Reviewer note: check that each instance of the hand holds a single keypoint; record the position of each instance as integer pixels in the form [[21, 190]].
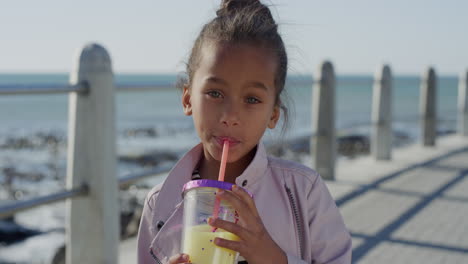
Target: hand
[[255, 244], [179, 258]]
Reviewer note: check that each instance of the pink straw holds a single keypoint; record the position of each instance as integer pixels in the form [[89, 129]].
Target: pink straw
[[222, 171], [224, 156]]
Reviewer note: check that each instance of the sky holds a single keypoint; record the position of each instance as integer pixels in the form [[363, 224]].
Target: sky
[[154, 36]]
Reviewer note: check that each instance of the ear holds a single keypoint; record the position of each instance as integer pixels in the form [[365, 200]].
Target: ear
[[275, 115], [186, 101]]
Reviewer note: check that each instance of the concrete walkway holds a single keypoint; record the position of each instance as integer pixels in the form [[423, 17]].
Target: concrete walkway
[[412, 209]]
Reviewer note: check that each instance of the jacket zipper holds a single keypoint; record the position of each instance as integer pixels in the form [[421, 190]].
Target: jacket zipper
[[296, 216], [154, 256]]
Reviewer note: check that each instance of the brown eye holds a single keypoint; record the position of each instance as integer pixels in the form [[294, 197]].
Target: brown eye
[[252, 100], [214, 94]]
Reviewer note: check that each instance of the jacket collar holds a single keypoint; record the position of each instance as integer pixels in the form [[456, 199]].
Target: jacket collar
[[256, 169]]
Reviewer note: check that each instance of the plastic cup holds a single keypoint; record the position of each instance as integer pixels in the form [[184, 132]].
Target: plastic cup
[[197, 235]]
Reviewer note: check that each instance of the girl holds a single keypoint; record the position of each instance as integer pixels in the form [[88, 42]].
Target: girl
[[236, 73]]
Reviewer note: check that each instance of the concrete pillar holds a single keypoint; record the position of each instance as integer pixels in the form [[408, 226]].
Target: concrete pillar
[[323, 143], [428, 108], [463, 104], [93, 221], [381, 139]]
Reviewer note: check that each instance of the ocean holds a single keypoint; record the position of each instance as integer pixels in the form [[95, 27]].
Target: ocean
[[33, 132], [162, 108]]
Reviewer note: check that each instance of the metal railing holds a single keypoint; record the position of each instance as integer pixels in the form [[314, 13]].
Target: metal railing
[[10, 209], [134, 177], [31, 89], [7, 210], [18, 89], [142, 87], [83, 87], [16, 207]]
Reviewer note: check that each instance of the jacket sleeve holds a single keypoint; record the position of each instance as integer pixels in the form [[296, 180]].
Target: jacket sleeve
[[330, 240], [147, 231]]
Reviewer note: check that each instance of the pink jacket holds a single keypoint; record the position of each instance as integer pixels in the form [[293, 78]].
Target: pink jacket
[[293, 201]]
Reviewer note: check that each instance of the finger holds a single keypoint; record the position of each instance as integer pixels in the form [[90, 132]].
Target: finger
[[245, 196], [179, 258], [232, 245], [236, 229], [245, 213]]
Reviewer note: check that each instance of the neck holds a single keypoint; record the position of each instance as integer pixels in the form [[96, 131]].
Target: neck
[[209, 167]]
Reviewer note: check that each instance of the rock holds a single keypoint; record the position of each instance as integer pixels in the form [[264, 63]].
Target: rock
[[39, 140], [59, 257], [353, 145], [47, 139], [149, 159], [141, 132], [349, 145], [11, 173], [11, 232], [276, 150], [18, 143], [133, 224], [130, 213], [401, 138], [300, 145], [444, 132]]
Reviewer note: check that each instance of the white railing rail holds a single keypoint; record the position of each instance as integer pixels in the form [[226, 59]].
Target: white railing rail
[[11, 209], [18, 89], [30, 89]]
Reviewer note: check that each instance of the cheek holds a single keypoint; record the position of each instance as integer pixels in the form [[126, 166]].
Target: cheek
[[259, 121], [203, 114]]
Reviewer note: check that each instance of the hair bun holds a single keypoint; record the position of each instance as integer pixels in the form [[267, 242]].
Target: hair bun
[[233, 6], [229, 6]]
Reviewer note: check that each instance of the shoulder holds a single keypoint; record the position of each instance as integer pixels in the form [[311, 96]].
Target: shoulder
[[292, 169], [152, 196]]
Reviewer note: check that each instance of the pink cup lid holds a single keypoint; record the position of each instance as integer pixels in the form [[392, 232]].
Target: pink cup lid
[[209, 183]]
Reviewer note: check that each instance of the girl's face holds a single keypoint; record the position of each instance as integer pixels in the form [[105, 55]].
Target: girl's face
[[232, 97]]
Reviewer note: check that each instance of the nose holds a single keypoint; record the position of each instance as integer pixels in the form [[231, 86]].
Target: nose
[[231, 114]]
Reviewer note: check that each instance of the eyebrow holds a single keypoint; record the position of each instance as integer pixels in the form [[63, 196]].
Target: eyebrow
[[255, 84], [216, 80]]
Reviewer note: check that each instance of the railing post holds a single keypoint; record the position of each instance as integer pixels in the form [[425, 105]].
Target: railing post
[[428, 107], [323, 144], [93, 221], [463, 104], [381, 139]]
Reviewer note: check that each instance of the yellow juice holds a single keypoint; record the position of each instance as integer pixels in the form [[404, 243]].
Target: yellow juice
[[199, 245]]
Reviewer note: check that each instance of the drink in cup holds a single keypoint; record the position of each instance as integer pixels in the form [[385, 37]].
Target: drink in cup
[[198, 236]]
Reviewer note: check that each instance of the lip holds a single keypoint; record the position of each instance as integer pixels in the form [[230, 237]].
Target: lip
[[232, 141]]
